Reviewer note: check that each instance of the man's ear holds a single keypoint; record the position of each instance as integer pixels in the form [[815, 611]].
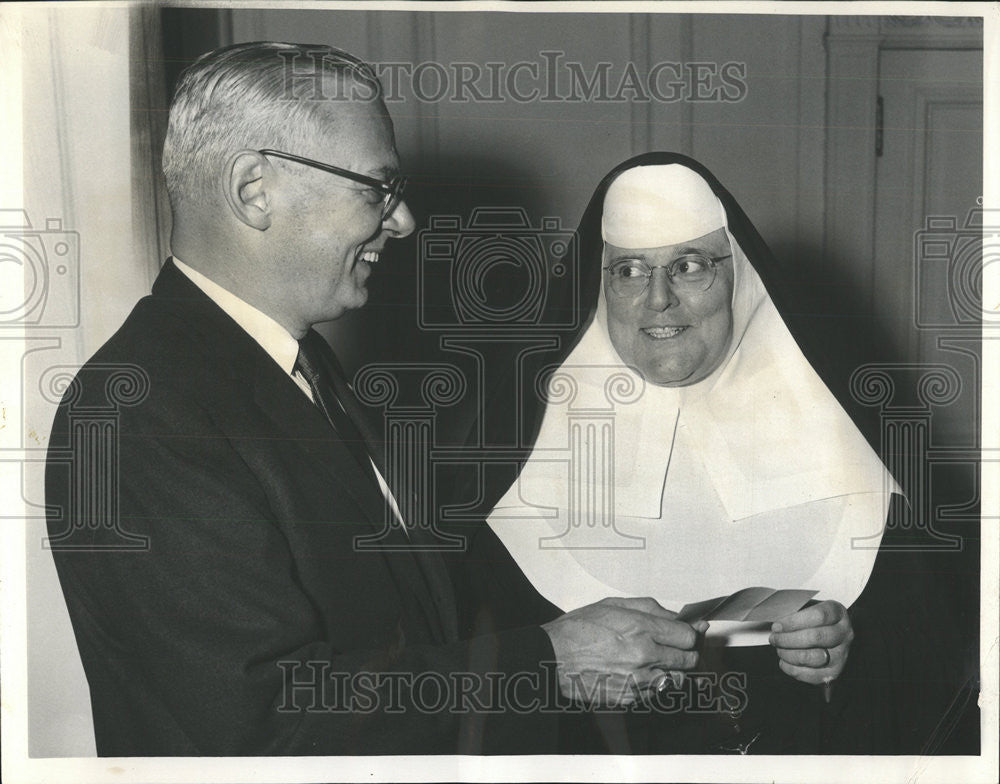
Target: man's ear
[[245, 191]]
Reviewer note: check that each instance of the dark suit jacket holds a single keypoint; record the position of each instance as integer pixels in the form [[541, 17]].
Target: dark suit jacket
[[249, 584]]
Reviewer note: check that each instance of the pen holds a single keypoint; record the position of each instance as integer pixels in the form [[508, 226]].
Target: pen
[[827, 690]]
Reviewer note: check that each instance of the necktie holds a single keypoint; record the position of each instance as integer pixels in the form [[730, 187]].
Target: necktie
[[343, 411], [309, 364]]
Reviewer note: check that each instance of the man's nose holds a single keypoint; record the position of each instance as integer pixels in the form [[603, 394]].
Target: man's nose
[[400, 221], [660, 293]]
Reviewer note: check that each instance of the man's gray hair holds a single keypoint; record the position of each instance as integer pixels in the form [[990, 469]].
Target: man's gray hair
[[252, 96]]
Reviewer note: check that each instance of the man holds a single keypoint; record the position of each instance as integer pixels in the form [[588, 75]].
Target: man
[[250, 623]]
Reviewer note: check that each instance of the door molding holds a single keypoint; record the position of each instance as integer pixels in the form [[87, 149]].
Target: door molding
[[853, 44]]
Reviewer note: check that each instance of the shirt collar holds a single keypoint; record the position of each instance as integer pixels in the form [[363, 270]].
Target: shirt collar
[[272, 337]]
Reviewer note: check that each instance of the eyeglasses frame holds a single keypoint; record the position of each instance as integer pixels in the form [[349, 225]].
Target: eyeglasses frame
[[714, 259], [392, 190]]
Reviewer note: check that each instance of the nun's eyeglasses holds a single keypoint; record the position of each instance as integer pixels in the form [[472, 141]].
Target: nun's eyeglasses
[[390, 192], [692, 272]]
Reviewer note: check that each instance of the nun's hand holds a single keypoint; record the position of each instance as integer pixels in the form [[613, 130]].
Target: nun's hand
[[813, 643], [613, 651]]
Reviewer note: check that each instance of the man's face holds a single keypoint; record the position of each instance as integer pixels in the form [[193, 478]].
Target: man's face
[[332, 231], [673, 337]]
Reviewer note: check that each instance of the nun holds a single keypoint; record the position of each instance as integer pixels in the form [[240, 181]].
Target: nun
[[685, 449]]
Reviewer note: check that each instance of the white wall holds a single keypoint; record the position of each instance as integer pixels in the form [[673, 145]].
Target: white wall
[[77, 170]]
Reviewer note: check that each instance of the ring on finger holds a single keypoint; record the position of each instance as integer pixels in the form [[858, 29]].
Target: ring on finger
[[826, 662]]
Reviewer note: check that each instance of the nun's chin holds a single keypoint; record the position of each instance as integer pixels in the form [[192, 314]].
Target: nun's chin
[[664, 378], [681, 382]]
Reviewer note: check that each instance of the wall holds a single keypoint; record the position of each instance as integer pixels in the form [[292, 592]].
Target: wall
[[564, 147], [76, 170], [547, 156]]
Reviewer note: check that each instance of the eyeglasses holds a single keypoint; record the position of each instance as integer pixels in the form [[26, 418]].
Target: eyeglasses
[[392, 191], [691, 272]]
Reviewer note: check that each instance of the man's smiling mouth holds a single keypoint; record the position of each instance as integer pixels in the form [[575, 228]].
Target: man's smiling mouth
[[663, 333]]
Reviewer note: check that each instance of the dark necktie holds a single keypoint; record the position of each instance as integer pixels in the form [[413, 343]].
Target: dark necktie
[[343, 411], [309, 364]]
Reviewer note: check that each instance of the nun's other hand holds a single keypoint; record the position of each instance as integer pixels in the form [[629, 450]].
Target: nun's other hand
[[803, 640]]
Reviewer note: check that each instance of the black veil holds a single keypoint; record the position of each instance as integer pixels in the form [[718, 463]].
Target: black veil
[[583, 253], [906, 689]]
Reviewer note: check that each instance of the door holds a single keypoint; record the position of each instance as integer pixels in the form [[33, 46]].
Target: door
[[928, 244]]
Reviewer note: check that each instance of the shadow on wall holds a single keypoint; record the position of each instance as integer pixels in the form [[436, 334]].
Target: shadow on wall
[[478, 263], [829, 310], [841, 326], [187, 34]]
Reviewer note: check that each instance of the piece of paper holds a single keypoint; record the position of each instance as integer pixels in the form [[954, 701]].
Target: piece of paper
[[759, 605]]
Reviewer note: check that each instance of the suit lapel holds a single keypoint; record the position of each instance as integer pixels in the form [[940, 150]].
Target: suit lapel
[[288, 411], [295, 415], [431, 563], [292, 413]]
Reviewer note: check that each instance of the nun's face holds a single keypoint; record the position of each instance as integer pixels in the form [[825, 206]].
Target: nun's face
[[673, 333]]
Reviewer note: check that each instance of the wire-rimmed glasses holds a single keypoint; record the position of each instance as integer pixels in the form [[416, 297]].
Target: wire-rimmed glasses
[[692, 272]]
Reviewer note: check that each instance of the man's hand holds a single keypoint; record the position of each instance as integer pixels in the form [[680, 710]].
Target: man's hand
[[803, 639], [610, 651]]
